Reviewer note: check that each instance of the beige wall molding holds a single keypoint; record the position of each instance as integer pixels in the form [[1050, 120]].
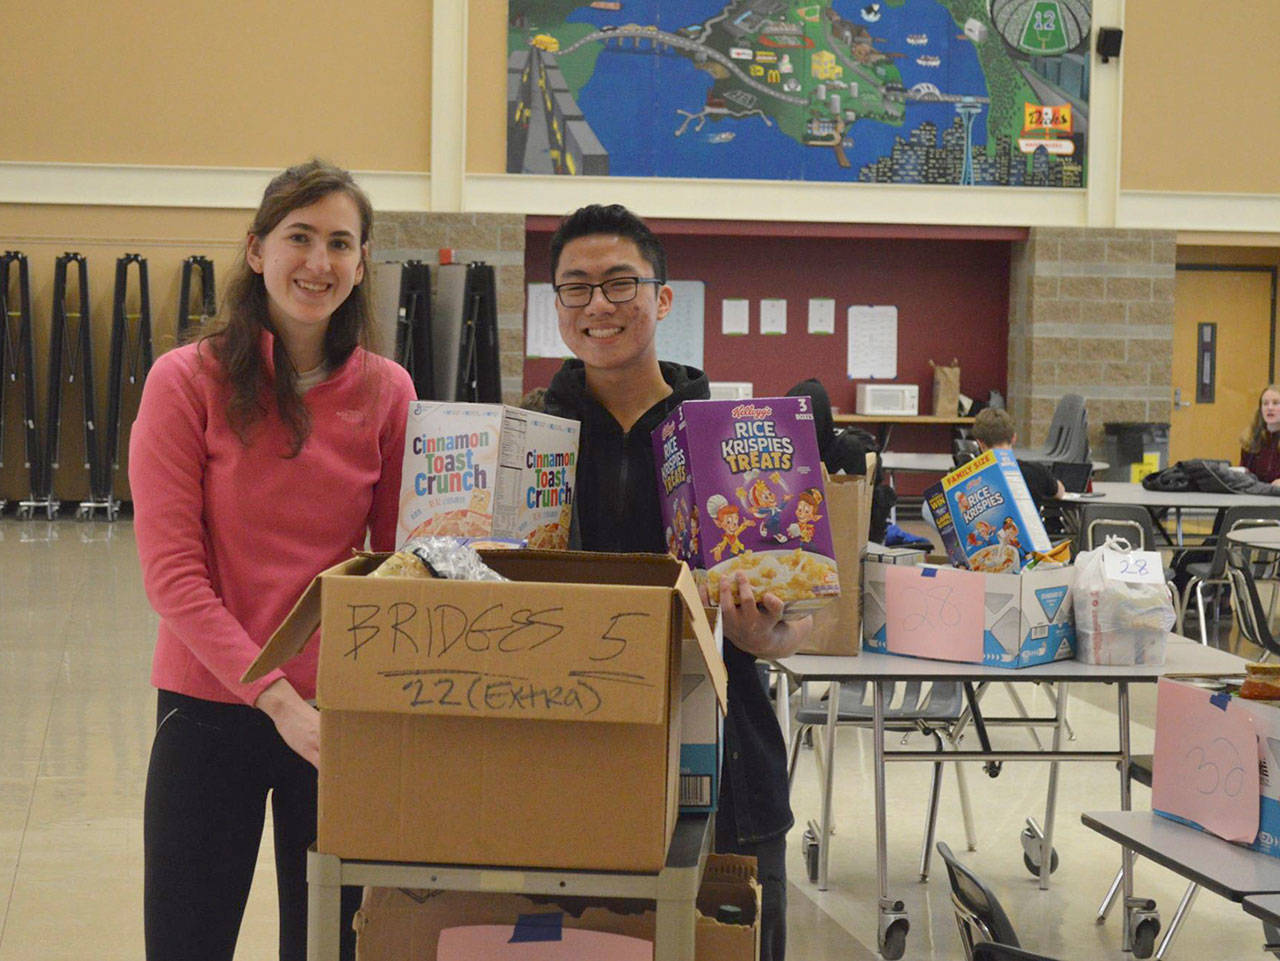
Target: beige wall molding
[[1158, 210], [200, 187], [788, 200]]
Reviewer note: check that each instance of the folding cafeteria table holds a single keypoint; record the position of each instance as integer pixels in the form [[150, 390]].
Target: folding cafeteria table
[[1182, 657], [1229, 870]]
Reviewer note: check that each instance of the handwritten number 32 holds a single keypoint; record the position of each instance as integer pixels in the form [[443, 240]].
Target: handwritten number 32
[[1209, 776]]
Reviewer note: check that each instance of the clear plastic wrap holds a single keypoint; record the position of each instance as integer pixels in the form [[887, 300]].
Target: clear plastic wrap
[[1118, 621], [453, 558]]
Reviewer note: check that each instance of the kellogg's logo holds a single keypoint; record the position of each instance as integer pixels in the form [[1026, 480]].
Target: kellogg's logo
[[668, 429], [751, 410]]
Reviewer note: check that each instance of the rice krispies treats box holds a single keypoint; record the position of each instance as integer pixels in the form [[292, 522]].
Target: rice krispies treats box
[[487, 470], [986, 516], [741, 488]]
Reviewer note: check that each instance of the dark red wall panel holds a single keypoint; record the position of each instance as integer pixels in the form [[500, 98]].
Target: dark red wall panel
[[952, 297]]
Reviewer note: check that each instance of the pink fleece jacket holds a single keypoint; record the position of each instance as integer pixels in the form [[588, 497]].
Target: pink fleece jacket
[[230, 535]]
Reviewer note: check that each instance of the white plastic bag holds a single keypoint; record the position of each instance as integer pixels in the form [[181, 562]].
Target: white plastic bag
[[1119, 621]]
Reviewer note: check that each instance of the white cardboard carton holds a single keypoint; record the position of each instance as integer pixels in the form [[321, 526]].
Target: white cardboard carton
[[1028, 616]]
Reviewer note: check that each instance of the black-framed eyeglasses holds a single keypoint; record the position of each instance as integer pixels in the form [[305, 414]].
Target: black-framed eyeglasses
[[618, 290]]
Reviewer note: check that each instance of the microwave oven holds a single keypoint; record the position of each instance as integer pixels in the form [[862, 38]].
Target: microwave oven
[[901, 400]]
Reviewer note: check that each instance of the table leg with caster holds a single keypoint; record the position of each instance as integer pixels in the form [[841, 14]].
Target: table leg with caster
[[891, 935]]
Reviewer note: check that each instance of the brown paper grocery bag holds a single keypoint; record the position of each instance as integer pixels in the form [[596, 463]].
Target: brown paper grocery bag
[[837, 628], [946, 389]]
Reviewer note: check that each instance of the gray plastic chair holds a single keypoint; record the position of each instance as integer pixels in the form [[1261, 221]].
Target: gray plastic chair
[[932, 708], [1068, 437]]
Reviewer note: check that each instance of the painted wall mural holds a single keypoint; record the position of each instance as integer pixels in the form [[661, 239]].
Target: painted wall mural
[[980, 92]]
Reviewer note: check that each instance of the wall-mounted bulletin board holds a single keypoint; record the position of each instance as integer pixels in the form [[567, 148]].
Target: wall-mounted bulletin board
[[950, 287]]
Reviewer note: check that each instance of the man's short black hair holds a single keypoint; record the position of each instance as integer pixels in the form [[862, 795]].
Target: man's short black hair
[[611, 219]]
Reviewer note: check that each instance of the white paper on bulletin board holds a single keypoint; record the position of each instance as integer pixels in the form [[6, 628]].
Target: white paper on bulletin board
[[679, 336], [542, 328], [873, 342]]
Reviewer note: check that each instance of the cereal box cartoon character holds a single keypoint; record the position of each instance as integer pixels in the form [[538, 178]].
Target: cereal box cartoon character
[[761, 503], [726, 517], [982, 533], [806, 513]]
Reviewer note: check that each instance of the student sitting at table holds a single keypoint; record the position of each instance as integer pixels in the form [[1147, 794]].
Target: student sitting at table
[[1260, 444], [993, 428]]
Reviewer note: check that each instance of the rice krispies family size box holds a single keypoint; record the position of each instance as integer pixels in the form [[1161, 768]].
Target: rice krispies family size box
[[741, 489], [487, 470], [986, 516]]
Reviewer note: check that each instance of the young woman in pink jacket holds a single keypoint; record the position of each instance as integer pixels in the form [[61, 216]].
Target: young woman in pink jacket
[[262, 454]]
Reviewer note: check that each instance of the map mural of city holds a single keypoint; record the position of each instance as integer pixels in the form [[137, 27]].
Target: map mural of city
[[982, 92]]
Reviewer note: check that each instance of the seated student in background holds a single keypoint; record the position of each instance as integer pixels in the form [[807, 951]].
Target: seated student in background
[[994, 428], [1260, 444]]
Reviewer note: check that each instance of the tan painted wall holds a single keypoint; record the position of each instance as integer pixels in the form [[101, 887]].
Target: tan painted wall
[[487, 87], [1200, 84], [223, 83]]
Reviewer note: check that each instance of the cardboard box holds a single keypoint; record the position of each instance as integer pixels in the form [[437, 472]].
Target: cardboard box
[[533, 722], [1012, 620], [701, 723], [394, 924], [741, 488], [837, 627], [879, 554], [1266, 721], [986, 516], [487, 470]]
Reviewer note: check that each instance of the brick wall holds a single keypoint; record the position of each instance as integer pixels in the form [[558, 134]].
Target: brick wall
[[497, 239], [1091, 313]]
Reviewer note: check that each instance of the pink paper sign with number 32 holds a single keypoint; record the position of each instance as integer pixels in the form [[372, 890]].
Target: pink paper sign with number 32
[[1205, 768]]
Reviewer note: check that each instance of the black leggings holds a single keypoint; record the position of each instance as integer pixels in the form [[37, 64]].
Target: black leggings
[[212, 766]]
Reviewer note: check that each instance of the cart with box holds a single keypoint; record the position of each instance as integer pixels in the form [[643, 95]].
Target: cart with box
[[562, 682]]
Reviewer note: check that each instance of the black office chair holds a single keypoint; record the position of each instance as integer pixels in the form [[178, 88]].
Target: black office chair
[[963, 450], [990, 951], [1252, 618], [979, 916], [1213, 572]]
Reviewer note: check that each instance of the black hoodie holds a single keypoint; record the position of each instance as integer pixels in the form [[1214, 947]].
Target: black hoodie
[[616, 480], [616, 508]]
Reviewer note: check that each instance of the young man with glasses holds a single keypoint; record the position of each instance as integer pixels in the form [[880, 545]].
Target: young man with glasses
[[610, 272]]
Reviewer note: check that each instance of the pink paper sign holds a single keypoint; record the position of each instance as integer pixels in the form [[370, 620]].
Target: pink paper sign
[[499, 942], [934, 612], [1205, 768]]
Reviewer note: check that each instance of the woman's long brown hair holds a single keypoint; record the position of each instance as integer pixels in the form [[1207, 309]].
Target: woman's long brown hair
[[1257, 436], [236, 334]]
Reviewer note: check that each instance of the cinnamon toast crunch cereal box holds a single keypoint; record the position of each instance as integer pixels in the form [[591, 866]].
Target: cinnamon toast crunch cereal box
[[741, 489], [986, 515], [487, 470]]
